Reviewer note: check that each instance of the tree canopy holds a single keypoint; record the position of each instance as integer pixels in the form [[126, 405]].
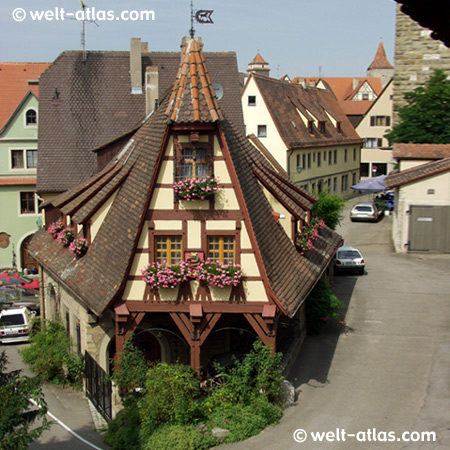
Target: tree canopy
[[18, 416], [425, 119]]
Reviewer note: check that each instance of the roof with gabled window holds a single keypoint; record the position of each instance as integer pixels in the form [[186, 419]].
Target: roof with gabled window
[[99, 277]]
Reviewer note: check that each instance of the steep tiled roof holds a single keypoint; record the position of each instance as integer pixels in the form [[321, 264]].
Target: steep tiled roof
[[99, 277], [16, 79], [417, 173], [263, 149], [258, 59], [193, 98], [285, 100], [90, 103], [380, 61], [355, 108], [343, 87], [421, 151]]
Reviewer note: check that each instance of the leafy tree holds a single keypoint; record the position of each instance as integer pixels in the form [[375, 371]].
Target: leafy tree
[[425, 119], [17, 414], [329, 208]]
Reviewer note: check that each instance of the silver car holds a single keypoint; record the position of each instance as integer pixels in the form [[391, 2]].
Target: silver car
[[349, 258], [365, 212]]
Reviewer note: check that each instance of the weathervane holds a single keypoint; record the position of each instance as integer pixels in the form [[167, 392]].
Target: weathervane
[[201, 16]]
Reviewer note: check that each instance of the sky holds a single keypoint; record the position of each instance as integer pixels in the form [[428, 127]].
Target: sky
[[333, 38]]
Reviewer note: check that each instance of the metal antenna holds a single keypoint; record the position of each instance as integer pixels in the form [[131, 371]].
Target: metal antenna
[[83, 33], [192, 30]]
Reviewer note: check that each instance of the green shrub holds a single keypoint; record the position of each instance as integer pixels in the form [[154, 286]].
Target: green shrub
[[171, 395], [320, 305], [123, 431], [130, 369], [50, 355], [179, 437], [329, 208], [257, 374]]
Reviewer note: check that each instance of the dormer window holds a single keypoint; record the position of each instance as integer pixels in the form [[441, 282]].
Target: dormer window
[[30, 118], [252, 100], [310, 127], [321, 127]]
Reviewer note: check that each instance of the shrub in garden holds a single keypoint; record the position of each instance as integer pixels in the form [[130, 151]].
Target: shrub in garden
[[50, 355], [171, 396], [320, 305]]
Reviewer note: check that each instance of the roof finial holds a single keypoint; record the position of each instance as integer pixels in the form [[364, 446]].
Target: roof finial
[[201, 16]]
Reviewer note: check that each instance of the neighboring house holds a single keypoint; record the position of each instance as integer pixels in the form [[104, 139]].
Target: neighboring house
[[131, 216], [356, 94], [376, 154], [422, 206], [305, 130], [94, 99], [18, 161]]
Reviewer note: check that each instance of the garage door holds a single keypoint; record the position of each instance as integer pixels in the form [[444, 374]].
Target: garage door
[[429, 229]]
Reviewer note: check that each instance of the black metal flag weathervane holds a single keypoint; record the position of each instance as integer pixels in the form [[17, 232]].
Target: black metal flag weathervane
[[201, 16]]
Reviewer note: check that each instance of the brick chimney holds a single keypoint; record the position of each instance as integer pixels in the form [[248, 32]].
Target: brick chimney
[[136, 65]]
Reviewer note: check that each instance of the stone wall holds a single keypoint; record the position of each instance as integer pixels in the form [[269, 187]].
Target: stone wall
[[416, 57]]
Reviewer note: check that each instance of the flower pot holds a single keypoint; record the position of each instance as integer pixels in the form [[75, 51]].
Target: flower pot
[[168, 294], [220, 294]]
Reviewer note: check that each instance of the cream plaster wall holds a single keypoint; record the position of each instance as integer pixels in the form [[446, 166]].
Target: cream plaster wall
[[416, 194], [194, 235], [255, 291], [259, 115], [245, 238], [99, 216]]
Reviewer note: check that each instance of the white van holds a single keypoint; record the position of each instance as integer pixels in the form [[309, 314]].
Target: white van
[[15, 324]]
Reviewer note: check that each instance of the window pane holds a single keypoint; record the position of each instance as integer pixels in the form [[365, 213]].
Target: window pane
[[17, 159], [31, 118], [221, 248], [27, 205], [31, 158], [168, 248]]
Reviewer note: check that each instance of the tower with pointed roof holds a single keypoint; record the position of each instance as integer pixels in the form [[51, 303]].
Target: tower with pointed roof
[[258, 65], [381, 67]]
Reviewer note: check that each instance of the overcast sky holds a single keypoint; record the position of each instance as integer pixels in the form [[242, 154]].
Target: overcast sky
[[296, 37]]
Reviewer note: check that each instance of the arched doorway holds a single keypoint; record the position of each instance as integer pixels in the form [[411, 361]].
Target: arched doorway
[[27, 261], [147, 342]]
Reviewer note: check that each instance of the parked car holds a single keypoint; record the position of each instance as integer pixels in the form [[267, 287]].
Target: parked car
[[15, 324], [349, 258], [365, 212], [7, 279]]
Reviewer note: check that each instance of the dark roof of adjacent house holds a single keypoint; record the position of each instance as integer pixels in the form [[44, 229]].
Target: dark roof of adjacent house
[[98, 278], [288, 102], [420, 151], [16, 79], [89, 102], [417, 173]]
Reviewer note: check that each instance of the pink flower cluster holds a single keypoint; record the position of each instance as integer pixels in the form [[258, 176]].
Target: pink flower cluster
[[163, 275], [304, 240], [54, 228], [78, 247], [191, 189], [65, 236], [219, 274]]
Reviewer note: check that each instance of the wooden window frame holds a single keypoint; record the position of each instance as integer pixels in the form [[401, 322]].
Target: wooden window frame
[[169, 236], [221, 238]]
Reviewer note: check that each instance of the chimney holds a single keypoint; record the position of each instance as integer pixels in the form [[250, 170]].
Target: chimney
[[355, 82], [136, 66], [151, 89]]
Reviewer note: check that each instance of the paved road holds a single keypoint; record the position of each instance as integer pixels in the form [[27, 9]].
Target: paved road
[[388, 367], [66, 405]]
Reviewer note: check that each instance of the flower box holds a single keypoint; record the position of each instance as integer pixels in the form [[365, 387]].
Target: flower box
[[65, 236], [78, 247], [201, 188], [218, 274], [222, 294], [304, 240], [162, 275], [54, 228]]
